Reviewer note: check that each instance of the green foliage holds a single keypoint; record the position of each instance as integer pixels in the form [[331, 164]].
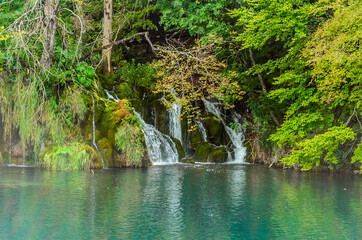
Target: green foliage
[[310, 152], [140, 75], [357, 157], [235, 126], [129, 139], [334, 53], [196, 17], [72, 156]]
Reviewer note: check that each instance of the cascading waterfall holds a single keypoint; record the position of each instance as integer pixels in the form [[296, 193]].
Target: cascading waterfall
[[110, 96], [160, 147], [174, 123], [94, 133], [201, 129], [236, 136]]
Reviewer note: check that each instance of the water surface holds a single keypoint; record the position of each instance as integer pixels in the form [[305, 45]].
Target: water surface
[[179, 202]]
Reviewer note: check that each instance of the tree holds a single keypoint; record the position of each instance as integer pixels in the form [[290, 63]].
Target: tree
[[107, 36]]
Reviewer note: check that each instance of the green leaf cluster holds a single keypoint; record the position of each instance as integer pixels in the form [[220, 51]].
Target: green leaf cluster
[[129, 139]]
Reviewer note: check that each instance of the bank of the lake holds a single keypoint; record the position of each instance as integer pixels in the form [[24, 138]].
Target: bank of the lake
[[181, 201]]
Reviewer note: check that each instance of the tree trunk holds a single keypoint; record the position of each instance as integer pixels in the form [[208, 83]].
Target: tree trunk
[[263, 87], [107, 36], [51, 11]]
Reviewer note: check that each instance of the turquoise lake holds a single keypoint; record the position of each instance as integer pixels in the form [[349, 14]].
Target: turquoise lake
[[179, 202]]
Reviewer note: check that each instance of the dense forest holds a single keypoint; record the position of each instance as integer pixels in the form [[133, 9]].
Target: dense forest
[[290, 69]]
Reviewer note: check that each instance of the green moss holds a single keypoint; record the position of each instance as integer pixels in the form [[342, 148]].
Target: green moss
[[161, 115], [219, 155], [123, 90], [195, 138], [137, 103], [131, 156], [188, 161], [180, 150], [214, 129], [96, 158], [202, 151], [107, 149], [73, 156]]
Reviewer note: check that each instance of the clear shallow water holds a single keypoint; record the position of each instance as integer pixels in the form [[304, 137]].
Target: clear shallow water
[[179, 202]]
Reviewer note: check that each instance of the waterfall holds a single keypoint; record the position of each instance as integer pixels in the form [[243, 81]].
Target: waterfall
[[110, 96], [236, 136], [94, 133], [201, 129], [174, 121], [160, 147]]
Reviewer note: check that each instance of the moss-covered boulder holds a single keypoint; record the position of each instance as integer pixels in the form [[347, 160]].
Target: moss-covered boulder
[[202, 151], [71, 156], [214, 129], [180, 150], [218, 155], [188, 161], [195, 138], [106, 148]]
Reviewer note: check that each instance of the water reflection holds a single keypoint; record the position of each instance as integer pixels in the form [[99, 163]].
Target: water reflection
[[179, 202]]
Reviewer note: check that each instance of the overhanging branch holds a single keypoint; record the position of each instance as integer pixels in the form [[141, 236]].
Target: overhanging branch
[[99, 49]]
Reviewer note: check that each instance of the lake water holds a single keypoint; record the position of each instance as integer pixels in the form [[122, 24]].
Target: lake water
[[179, 202]]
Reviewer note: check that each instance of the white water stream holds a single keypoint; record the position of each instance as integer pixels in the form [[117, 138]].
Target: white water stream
[[174, 122], [236, 136], [94, 134], [201, 129], [161, 148]]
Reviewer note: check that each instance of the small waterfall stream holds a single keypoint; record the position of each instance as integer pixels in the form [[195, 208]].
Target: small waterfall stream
[[174, 121], [94, 133], [111, 97], [236, 137], [201, 129], [161, 148]]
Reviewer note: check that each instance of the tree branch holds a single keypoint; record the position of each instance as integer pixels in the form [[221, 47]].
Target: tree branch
[[99, 49]]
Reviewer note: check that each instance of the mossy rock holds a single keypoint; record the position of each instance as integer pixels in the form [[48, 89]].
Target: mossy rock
[[202, 151], [103, 80], [180, 150], [123, 90], [88, 131], [214, 129], [219, 155], [107, 149], [161, 116], [137, 103], [195, 138], [96, 160], [110, 121], [188, 161]]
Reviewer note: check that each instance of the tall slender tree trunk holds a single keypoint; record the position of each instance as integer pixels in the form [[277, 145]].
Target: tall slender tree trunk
[[107, 36], [51, 12], [263, 87]]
